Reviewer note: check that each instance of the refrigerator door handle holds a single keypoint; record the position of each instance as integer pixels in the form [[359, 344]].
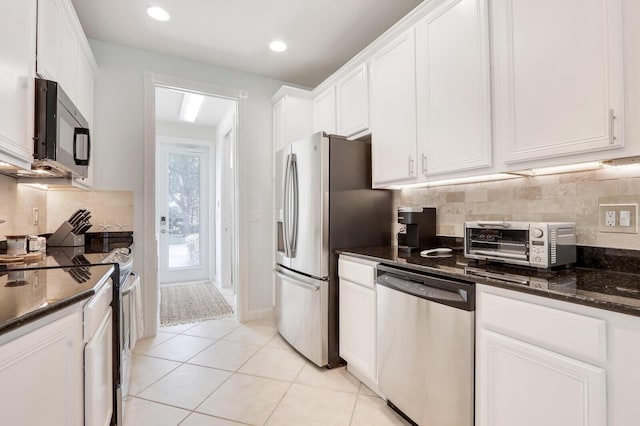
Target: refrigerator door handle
[[297, 281], [296, 205], [285, 201]]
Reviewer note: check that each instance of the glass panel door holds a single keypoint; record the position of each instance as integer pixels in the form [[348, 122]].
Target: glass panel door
[[183, 209]]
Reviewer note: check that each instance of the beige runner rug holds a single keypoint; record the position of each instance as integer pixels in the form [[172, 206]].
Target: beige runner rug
[[187, 303]]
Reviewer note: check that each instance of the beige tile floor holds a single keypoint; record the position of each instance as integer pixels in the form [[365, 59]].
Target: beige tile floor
[[224, 373]]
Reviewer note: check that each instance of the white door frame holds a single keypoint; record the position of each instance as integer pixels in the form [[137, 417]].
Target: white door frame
[[150, 239]]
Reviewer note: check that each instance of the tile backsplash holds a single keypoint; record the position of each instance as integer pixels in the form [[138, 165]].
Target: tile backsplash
[[569, 197], [108, 208]]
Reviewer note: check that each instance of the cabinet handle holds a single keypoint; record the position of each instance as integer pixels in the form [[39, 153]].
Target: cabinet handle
[[424, 164], [612, 136], [410, 166]]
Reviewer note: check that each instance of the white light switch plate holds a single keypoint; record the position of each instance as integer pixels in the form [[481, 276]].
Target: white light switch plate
[[625, 218]]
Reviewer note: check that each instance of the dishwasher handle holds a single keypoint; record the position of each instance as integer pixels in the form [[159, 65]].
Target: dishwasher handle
[[453, 293]]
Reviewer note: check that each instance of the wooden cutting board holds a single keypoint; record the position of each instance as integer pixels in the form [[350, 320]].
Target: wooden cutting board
[[23, 258]]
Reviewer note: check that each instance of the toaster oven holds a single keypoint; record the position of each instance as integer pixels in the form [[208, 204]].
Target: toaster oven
[[536, 244]]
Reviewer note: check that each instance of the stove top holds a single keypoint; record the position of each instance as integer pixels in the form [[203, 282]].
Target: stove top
[[74, 261], [29, 293]]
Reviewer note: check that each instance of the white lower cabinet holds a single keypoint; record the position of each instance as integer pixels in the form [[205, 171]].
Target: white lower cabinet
[[545, 362], [525, 385], [357, 327], [41, 375]]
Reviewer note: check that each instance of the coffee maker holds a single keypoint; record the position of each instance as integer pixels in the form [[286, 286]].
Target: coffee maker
[[419, 228]]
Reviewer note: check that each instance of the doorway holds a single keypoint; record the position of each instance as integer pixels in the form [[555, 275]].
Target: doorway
[[195, 161]]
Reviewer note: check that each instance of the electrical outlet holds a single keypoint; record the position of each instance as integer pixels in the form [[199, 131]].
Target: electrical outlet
[[35, 215], [610, 218], [621, 218]]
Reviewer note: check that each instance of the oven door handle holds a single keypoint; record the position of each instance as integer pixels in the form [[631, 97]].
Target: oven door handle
[[494, 224], [499, 254]]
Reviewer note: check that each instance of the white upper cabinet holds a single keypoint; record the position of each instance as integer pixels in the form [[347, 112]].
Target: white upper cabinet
[[292, 116], [453, 88], [49, 15], [558, 77], [17, 44], [393, 111], [63, 54], [352, 93], [324, 111]]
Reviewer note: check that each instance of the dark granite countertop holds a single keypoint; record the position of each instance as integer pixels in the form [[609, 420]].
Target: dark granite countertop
[[616, 289], [29, 294]]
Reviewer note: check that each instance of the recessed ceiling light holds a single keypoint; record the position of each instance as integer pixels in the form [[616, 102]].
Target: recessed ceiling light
[[278, 46], [158, 13]]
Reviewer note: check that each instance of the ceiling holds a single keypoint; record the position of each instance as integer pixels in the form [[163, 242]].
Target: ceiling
[[322, 34], [169, 102]]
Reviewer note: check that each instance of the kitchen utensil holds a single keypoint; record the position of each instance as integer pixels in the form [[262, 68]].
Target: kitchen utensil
[[436, 252], [71, 232], [84, 228], [75, 216]]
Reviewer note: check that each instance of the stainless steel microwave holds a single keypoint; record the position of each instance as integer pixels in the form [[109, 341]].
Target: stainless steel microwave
[[62, 141], [537, 244]]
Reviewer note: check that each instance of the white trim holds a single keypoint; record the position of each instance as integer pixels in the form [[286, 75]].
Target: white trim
[[149, 238]]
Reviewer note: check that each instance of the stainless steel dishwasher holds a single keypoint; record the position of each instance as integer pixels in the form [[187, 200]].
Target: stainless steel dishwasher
[[426, 346]]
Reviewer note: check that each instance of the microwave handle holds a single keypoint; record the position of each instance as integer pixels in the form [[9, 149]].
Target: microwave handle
[[81, 131]]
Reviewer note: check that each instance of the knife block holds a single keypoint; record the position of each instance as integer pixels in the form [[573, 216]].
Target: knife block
[[63, 237]]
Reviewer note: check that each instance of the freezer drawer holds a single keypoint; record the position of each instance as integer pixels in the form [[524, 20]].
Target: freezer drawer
[[302, 313]]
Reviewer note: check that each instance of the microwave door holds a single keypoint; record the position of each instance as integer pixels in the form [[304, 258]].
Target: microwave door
[[73, 143]]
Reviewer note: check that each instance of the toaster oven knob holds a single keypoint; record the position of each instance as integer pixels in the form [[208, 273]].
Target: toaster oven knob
[[537, 233]]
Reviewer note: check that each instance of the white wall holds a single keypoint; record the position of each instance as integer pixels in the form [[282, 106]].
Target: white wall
[[119, 139]]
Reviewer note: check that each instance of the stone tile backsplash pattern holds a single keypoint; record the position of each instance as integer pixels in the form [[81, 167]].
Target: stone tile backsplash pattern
[[113, 208], [570, 197], [17, 203]]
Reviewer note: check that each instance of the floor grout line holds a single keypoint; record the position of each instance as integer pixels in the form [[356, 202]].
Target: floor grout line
[[259, 348]]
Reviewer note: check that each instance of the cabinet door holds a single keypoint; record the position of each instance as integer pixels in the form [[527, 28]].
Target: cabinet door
[[67, 57], [48, 21], [353, 102], [454, 104], [324, 111], [393, 111], [558, 76], [41, 373], [357, 328], [17, 44], [98, 375], [521, 384]]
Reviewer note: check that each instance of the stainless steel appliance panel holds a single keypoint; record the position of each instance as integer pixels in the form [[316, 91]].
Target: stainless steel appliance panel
[[309, 177], [301, 313], [426, 356], [281, 159]]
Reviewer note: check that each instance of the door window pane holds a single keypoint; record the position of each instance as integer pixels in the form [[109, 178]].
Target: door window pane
[[184, 210]]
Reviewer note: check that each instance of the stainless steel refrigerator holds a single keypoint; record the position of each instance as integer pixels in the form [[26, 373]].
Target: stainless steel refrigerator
[[324, 202]]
